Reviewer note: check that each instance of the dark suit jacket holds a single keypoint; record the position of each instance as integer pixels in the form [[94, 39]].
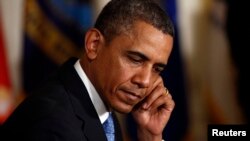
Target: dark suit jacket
[[61, 110]]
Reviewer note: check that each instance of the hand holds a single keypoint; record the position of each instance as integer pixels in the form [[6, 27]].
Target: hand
[[153, 113]]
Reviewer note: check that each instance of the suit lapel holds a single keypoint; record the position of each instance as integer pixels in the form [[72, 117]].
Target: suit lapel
[[83, 107]]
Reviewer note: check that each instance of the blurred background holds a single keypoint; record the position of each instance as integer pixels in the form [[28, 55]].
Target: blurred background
[[207, 72]]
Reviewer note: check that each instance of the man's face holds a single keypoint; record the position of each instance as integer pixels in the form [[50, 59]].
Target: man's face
[[126, 68]]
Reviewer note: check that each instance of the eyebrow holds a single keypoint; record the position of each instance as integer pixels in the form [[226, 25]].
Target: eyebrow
[[144, 57]]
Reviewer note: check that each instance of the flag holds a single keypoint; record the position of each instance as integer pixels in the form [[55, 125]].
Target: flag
[[211, 86], [53, 32], [5, 84]]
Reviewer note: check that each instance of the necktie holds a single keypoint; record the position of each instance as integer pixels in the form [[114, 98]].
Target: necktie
[[109, 129]]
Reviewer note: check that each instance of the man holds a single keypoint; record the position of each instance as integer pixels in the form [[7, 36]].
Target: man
[[119, 71]]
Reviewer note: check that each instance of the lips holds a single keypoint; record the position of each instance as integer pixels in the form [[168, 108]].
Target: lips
[[132, 96]]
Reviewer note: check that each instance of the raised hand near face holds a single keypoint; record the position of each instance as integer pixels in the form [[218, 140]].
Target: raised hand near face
[[153, 113]]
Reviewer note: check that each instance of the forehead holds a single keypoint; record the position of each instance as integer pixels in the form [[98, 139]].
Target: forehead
[[144, 39], [151, 41]]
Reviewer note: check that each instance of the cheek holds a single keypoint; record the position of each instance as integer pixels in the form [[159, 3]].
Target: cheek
[[119, 76]]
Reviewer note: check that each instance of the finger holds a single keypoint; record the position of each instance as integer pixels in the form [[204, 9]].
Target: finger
[[163, 102], [167, 93], [169, 105], [158, 81], [170, 102], [155, 94]]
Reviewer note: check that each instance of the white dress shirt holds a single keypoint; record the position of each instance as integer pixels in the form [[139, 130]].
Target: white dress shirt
[[102, 112], [94, 96]]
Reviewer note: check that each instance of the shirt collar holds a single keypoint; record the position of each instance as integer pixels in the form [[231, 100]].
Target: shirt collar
[[94, 96]]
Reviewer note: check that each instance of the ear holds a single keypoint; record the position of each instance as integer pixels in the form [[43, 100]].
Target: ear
[[93, 42]]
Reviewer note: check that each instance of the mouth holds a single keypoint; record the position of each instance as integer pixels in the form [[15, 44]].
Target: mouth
[[133, 97]]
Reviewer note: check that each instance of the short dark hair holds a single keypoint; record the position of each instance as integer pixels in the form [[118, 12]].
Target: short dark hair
[[118, 16]]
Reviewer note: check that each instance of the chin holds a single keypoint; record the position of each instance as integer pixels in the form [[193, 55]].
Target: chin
[[123, 109]]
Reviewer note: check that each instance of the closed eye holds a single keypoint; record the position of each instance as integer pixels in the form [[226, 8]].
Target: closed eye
[[136, 57], [159, 68], [139, 58]]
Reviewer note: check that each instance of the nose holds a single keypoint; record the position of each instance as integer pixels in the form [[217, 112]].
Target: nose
[[142, 78]]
